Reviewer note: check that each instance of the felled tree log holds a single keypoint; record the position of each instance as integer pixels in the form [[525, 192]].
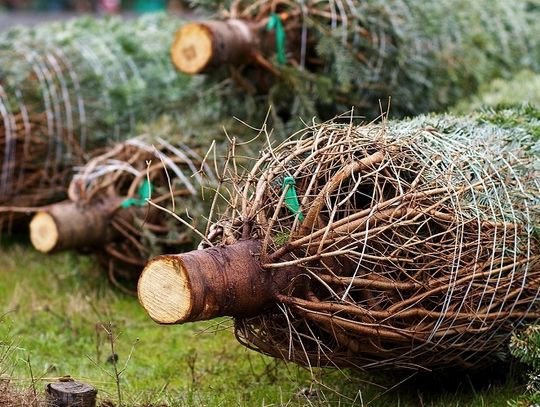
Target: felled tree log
[[204, 45], [206, 284], [69, 225]]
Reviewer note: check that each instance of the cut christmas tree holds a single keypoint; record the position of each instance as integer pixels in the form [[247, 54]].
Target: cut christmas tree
[[69, 88], [399, 245], [118, 201], [316, 58]]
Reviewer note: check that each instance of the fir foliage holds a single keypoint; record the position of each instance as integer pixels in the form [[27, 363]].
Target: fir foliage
[[99, 76], [69, 88], [524, 87], [525, 346]]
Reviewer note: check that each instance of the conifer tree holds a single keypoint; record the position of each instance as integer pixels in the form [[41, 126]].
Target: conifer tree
[[316, 58]]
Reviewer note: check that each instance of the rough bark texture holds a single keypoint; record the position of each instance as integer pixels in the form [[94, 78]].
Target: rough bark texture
[[68, 225], [205, 284], [71, 394], [201, 46]]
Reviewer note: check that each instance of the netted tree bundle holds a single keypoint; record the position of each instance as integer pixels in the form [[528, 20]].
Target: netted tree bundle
[[109, 209], [400, 245], [94, 75], [68, 88], [338, 54]]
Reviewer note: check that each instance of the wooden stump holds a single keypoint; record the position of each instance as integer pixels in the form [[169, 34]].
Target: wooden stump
[[214, 282], [69, 225], [70, 394], [204, 45]]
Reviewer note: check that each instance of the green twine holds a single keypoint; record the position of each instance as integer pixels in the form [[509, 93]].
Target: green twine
[[291, 199], [145, 193], [274, 23]]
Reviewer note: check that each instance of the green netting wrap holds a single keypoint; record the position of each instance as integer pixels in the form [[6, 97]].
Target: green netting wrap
[[425, 55]]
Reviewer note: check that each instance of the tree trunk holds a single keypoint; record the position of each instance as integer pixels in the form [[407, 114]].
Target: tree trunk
[[206, 284], [71, 394], [68, 225], [201, 46]]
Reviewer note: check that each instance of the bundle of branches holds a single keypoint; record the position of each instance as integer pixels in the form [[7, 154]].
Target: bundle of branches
[[525, 346], [66, 89], [338, 54], [108, 209], [400, 245]]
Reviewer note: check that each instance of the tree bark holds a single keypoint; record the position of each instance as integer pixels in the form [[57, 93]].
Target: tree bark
[[214, 282], [71, 394], [68, 225], [201, 46]]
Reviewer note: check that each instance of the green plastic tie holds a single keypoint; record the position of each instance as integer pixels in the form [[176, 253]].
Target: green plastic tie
[[291, 198], [145, 193], [274, 23]]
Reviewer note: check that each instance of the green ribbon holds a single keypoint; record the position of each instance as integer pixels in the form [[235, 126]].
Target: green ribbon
[[145, 193], [291, 199], [274, 23]]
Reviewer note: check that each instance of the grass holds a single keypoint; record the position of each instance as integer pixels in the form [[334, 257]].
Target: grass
[[54, 308]]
